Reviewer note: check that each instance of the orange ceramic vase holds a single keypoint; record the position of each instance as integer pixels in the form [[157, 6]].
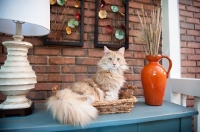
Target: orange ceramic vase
[[154, 78]]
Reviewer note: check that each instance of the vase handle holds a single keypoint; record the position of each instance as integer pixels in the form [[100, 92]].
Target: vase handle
[[170, 64]]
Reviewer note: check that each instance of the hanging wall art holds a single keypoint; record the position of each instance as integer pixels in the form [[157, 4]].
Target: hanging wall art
[[111, 23], [66, 23]]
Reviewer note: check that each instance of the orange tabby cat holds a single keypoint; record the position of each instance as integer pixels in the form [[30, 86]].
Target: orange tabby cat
[[73, 105]]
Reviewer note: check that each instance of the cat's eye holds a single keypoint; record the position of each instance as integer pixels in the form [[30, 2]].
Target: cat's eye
[[110, 58], [118, 59]]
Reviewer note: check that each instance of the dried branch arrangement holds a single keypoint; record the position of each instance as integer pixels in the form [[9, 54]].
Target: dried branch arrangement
[[151, 30]]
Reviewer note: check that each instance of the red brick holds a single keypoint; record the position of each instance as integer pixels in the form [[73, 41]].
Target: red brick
[[136, 40], [145, 1], [74, 69], [197, 51], [187, 51], [130, 40], [183, 44], [128, 54], [186, 13], [88, 28], [73, 36], [37, 60], [196, 4], [197, 39], [185, 2], [193, 57], [80, 77], [193, 69], [87, 61], [138, 92], [61, 60], [89, 5], [89, 13], [46, 51], [89, 21], [68, 78], [182, 18], [193, 45], [182, 7], [186, 25], [1, 49], [188, 63], [139, 55], [192, 32], [197, 27], [183, 31], [55, 77], [131, 77], [42, 77], [196, 15], [74, 52], [135, 47], [135, 33], [37, 95], [198, 63], [135, 62], [192, 20], [189, 103], [187, 38], [95, 53], [104, 38], [188, 75], [193, 9], [2, 58], [88, 44], [135, 5], [46, 69], [138, 70], [105, 22], [45, 86], [2, 97], [183, 70], [134, 19]]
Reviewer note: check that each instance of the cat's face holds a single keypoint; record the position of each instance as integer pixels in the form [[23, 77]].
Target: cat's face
[[113, 60]]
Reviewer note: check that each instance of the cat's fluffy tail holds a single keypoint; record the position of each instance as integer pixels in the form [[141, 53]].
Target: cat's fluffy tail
[[70, 108]]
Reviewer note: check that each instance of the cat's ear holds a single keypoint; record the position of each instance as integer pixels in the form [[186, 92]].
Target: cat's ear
[[106, 50], [121, 50]]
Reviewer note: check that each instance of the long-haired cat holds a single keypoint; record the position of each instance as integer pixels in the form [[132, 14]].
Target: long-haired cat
[[73, 105]]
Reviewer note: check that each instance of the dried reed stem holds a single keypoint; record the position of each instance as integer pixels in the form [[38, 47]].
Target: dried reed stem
[[151, 30]]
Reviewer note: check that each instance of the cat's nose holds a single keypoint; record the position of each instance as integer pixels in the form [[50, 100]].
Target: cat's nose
[[114, 64]]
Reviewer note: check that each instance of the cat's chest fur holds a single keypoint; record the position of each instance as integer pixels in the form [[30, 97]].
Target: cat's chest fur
[[109, 82]]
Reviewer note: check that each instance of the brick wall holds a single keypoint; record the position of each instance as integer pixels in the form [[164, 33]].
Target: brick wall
[[190, 40], [63, 65]]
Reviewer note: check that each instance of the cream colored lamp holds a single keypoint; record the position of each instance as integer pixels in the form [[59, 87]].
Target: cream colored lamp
[[28, 18]]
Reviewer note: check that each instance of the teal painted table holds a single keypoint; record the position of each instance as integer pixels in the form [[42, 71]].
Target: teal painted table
[[143, 118]]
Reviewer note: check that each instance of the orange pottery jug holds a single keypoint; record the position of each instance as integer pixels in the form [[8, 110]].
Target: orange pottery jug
[[154, 78]]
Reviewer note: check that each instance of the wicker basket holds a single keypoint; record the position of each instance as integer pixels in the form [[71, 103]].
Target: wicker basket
[[123, 105]]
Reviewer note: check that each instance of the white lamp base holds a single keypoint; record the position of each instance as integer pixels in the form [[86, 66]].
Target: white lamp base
[[16, 76], [15, 102]]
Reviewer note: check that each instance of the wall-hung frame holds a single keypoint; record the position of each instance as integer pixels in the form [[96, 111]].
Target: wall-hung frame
[[60, 17], [117, 20]]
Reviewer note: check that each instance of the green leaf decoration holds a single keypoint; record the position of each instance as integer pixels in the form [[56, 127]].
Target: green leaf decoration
[[119, 34], [61, 2], [72, 23], [114, 8], [76, 23]]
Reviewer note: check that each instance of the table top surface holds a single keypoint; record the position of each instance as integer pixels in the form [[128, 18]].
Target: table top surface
[[42, 119]]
